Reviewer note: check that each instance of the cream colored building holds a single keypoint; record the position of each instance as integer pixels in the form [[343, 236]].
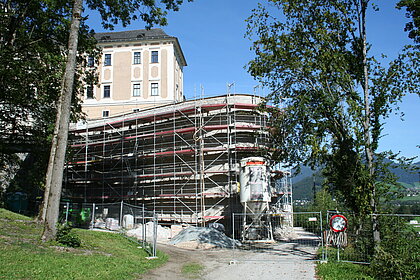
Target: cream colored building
[[138, 69]]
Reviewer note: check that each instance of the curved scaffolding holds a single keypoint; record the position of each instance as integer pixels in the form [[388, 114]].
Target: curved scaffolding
[[180, 160]]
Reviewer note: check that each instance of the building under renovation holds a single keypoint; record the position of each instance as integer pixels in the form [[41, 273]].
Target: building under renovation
[[182, 161], [191, 162]]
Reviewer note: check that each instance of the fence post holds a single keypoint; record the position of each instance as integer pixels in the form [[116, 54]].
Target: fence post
[[143, 228], [67, 211], [121, 213], [92, 222], [233, 237], [155, 224], [322, 236]]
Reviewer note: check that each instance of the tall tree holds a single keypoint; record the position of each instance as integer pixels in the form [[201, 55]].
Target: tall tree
[[59, 145], [412, 8], [334, 96], [123, 11], [32, 40]]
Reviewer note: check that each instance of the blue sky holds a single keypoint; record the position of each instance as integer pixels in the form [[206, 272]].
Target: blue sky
[[211, 34]]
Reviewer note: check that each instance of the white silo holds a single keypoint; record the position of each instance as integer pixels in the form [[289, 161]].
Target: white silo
[[255, 196]]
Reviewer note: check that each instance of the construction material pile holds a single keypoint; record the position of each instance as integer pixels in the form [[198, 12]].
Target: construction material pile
[[163, 233], [284, 233], [203, 238]]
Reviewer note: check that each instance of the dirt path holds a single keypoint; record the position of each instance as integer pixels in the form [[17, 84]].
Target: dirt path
[[291, 260]]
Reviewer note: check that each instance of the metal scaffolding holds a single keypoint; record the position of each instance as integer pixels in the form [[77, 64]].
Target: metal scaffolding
[[180, 161]]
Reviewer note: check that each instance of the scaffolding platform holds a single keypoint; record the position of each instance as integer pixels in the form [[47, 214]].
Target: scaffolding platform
[[180, 161]]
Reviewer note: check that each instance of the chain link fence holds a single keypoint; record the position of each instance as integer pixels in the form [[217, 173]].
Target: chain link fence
[[115, 217]]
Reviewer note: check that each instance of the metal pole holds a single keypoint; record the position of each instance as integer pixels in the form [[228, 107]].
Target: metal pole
[[155, 224], [233, 235], [143, 235], [92, 222], [121, 212], [322, 236], [67, 212], [338, 253]]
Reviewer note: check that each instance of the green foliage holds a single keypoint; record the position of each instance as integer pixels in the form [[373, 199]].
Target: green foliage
[[33, 36], [334, 96], [412, 10], [151, 12], [67, 237], [102, 255], [398, 256], [342, 271], [324, 202]]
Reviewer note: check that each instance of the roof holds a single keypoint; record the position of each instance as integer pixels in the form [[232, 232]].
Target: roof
[[139, 35]]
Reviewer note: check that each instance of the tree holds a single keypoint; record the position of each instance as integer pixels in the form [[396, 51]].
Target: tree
[[31, 67], [413, 10], [111, 13], [334, 96], [59, 144]]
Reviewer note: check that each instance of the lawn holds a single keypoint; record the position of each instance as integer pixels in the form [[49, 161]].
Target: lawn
[[342, 271], [102, 255]]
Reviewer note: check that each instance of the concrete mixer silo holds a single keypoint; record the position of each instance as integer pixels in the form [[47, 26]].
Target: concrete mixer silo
[[255, 195]]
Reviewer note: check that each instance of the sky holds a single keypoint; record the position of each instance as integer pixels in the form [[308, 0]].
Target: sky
[[211, 34]]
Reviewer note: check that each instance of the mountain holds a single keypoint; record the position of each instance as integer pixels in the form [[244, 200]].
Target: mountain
[[304, 181]]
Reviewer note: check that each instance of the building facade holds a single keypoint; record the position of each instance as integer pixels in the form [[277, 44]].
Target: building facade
[[138, 69]]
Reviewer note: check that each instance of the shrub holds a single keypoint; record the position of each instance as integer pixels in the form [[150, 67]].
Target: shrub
[[398, 256], [66, 237]]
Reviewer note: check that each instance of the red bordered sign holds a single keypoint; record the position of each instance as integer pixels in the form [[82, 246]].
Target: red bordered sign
[[338, 223]]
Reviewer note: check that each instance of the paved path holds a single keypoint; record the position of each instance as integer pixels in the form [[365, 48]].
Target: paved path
[[291, 260]]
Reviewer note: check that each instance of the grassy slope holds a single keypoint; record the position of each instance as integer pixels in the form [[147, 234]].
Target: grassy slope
[[102, 255]]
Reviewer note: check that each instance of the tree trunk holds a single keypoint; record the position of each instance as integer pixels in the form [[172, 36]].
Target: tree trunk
[[53, 203], [366, 127], [43, 209]]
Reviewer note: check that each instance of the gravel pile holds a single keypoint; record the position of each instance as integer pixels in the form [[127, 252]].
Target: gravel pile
[[203, 237]]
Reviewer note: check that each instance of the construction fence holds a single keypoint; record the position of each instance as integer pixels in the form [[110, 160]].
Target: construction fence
[[115, 217], [277, 237], [317, 236], [354, 243]]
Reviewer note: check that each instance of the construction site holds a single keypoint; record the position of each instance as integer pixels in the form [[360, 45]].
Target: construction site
[[182, 161]]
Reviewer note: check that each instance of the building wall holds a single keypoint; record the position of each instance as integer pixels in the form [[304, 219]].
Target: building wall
[[122, 75]]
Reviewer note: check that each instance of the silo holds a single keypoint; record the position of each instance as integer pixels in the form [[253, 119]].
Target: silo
[[255, 196]]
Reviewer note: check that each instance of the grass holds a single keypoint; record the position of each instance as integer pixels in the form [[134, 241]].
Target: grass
[[102, 255], [334, 270], [192, 270], [342, 271]]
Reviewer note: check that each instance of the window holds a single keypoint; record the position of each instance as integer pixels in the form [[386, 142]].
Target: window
[[136, 90], [136, 110], [137, 58], [155, 56], [91, 61], [107, 91], [155, 89], [107, 61], [105, 114], [89, 92]]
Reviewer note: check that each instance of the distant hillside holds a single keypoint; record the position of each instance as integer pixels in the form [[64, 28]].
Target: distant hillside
[[303, 189], [407, 177], [304, 181]]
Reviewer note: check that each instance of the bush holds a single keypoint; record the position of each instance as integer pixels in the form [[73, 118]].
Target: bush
[[398, 256], [66, 237]]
